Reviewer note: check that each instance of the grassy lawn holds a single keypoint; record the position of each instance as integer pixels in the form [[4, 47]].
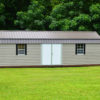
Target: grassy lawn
[[79, 83]]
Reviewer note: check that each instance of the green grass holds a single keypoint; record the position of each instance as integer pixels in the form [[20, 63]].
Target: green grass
[[79, 83]]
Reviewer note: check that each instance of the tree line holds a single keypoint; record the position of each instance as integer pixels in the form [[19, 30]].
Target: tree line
[[63, 15]]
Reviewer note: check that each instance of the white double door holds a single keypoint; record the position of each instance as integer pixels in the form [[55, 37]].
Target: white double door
[[51, 54]]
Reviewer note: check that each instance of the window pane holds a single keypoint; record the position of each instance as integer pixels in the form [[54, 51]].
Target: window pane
[[21, 46], [21, 49], [80, 49]]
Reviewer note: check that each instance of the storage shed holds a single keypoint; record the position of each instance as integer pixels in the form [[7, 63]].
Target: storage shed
[[41, 48]]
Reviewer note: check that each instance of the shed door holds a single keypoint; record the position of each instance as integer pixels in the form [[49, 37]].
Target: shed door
[[51, 54], [46, 54], [56, 54]]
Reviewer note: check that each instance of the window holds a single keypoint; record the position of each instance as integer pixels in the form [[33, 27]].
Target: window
[[21, 49], [80, 48]]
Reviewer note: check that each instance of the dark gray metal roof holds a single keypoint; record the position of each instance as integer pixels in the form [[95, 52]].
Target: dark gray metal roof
[[48, 35], [50, 41]]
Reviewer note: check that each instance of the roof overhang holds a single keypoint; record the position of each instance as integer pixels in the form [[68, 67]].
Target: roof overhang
[[47, 41]]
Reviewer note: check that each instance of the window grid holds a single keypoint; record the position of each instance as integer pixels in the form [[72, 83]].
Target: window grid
[[80, 48], [21, 49]]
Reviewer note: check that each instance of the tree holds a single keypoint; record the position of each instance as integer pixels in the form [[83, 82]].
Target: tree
[[62, 12], [32, 19], [95, 14], [80, 23], [2, 17], [76, 15], [11, 7]]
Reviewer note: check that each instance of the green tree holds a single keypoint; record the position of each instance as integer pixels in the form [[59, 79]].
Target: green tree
[[62, 12], [76, 15], [95, 14], [11, 7], [80, 23], [2, 17], [32, 19]]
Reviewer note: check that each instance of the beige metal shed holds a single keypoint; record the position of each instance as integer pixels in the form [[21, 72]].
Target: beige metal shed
[[49, 48]]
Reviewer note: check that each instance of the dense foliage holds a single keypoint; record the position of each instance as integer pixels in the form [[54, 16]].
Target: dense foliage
[[78, 15]]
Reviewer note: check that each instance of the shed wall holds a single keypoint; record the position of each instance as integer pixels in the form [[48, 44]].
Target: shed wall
[[92, 55], [8, 55]]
